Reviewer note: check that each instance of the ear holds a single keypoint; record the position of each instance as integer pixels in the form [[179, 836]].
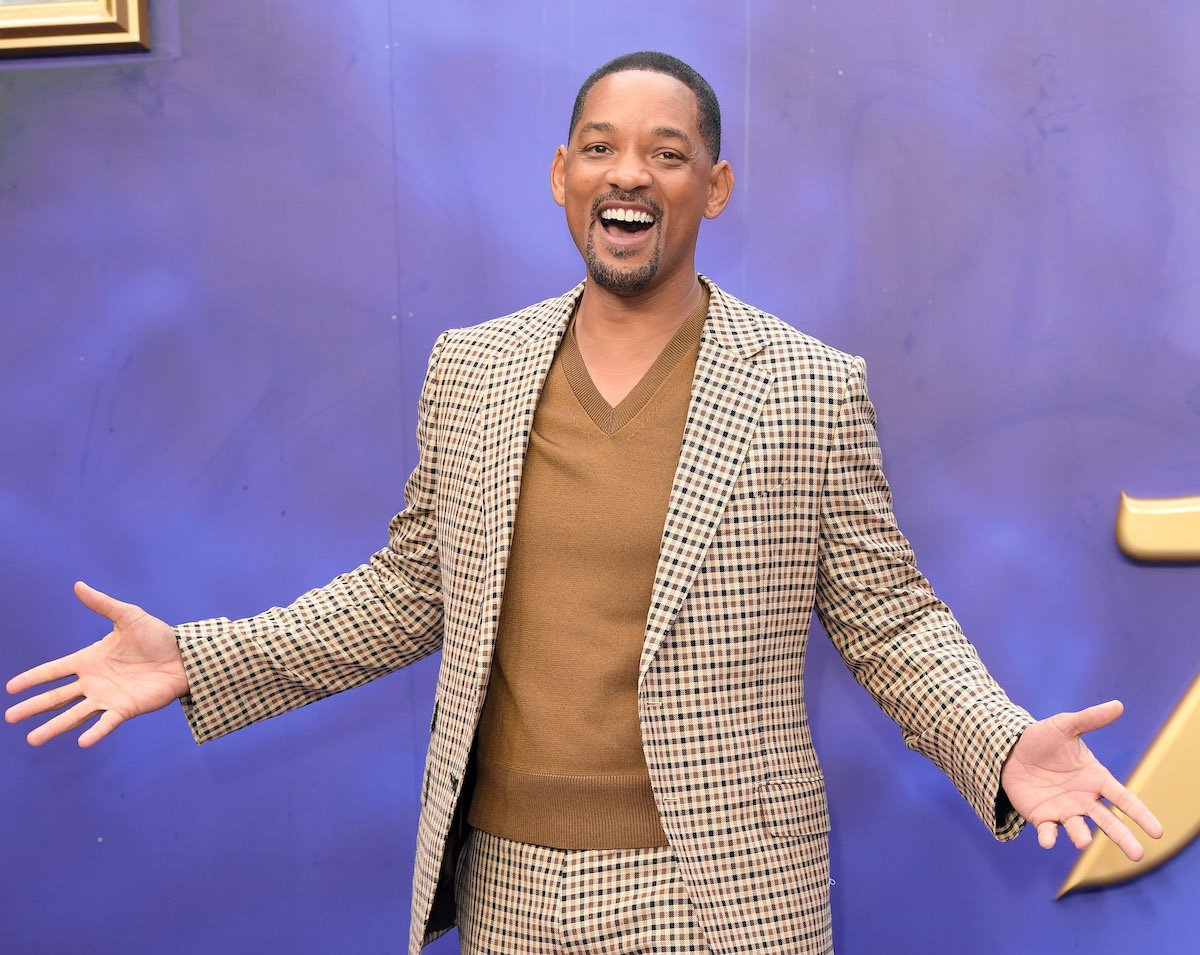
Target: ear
[[720, 186], [558, 175]]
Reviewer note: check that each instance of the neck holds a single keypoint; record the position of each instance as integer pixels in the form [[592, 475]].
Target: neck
[[619, 337], [612, 319]]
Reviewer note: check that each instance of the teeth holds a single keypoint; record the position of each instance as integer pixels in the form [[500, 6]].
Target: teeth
[[626, 215]]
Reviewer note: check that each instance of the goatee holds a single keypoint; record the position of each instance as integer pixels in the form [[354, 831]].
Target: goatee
[[615, 279]]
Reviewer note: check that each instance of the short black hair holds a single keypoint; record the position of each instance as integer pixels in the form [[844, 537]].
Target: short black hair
[[654, 62]]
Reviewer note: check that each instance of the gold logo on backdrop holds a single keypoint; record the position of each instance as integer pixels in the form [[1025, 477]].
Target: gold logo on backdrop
[[1167, 777], [1165, 528]]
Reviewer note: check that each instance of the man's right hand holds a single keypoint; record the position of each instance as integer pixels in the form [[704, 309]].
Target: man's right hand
[[136, 669]]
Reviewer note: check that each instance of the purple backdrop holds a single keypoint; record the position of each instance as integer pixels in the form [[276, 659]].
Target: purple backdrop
[[221, 269]]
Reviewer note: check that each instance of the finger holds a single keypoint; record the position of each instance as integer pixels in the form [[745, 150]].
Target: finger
[[108, 722], [63, 723], [1117, 831], [1134, 808], [1092, 718], [1077, 831], [54, 699], [45, 673], [100, 602], [1047, 834]]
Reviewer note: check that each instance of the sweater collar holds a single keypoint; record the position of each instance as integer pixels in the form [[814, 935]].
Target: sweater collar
[[732, 324]]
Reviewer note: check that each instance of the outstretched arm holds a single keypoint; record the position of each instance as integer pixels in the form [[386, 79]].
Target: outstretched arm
[[1052, 779], [136, 669]]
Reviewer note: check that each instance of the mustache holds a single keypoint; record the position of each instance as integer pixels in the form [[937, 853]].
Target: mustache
[[626, 198]]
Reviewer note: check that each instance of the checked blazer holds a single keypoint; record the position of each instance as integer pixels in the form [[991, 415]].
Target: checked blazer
[[779, 507]]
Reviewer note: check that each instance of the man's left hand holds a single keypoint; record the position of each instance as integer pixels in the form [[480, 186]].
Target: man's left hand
[[1052, 779]]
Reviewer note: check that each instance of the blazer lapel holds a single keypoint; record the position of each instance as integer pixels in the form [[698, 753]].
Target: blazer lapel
[[727, 397], [510, 390]]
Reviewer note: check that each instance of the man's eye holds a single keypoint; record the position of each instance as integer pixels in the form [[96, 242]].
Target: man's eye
[[598, 148], [670, 156]]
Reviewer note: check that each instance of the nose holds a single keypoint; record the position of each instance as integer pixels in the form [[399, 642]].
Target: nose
[[629, 171]]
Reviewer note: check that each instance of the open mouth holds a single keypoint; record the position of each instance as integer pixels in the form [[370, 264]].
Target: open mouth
[[619, 221]]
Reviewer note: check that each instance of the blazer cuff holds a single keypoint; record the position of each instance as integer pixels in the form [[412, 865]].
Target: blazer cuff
[[204, 644], [232, 679], [971, 749]]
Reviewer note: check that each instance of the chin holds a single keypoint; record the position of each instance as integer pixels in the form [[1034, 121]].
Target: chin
[[623, 280], [615, 277]]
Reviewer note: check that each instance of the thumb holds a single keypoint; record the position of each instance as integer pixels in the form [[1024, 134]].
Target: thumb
[[1092, 718], [100, 602]]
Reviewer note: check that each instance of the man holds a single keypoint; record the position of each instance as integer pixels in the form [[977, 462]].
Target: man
[[629, 501]]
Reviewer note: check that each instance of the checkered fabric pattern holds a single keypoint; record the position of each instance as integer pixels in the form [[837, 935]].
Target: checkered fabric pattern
[[779, 507], [514, 897]]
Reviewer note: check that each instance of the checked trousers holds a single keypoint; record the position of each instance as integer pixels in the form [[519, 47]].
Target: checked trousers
[[519, 899]]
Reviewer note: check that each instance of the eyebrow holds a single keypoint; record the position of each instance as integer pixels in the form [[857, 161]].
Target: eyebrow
[[597, 128], [673, 133], [668, 131]]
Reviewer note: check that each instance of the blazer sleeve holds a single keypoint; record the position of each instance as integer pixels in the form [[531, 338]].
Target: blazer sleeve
[[898, 639], [381, 616]]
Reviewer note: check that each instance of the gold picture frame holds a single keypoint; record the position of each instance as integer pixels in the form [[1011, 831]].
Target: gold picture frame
[[72, 27]]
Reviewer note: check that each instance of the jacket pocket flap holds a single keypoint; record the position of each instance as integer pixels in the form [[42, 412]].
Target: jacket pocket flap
[[792, 806]]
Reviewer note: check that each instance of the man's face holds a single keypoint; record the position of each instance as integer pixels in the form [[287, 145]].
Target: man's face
[[636, 179]]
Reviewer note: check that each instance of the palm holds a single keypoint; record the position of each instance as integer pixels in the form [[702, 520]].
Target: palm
[[135, 669], [1051, 778], [130, 670]]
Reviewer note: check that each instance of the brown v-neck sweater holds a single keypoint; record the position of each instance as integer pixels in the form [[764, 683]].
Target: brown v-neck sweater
[[559, 755]]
